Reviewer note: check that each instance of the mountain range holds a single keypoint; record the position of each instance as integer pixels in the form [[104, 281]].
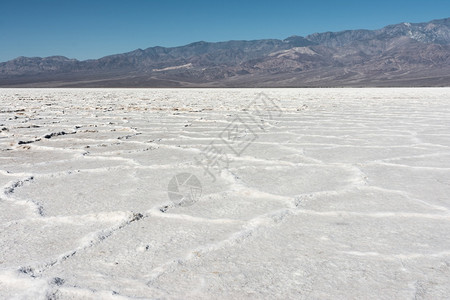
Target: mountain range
[[406, 54]]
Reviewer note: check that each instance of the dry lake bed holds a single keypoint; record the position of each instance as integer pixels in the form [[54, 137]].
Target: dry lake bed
[[225, 193]]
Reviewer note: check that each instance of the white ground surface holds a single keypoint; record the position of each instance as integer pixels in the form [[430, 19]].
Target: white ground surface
[[342, 194]]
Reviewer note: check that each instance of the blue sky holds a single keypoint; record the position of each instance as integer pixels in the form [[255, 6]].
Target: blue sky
[[92, 29]]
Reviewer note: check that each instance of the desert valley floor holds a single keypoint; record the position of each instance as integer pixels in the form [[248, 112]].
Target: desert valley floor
[[225, 193]]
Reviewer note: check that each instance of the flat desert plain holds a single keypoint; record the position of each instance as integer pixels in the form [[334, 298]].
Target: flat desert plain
[[225, 193]]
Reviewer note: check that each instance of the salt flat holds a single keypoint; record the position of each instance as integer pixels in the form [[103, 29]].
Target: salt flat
[[225, 193]]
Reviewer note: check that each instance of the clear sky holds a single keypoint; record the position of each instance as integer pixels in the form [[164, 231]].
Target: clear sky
[[92, 29]]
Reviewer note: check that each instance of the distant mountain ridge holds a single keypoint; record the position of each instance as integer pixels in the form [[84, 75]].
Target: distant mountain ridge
[[406, 54]]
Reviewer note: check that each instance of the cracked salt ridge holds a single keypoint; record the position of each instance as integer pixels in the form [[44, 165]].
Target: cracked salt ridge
[[60, 133], [34, 271], [395, 257], [250, 228], [9, 190], [97, 237], [270, 220], [55, 288]]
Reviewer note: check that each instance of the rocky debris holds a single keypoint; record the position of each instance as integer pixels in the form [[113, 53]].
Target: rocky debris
[[57, 281], [49, 136], [27, 142], [10, 190]]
